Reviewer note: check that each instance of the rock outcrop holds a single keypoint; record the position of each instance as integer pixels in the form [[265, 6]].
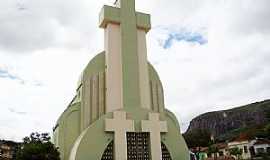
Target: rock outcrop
[[222, 122]]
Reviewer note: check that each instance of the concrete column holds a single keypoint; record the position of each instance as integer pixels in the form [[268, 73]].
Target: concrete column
[[114, 80], [143, 70]]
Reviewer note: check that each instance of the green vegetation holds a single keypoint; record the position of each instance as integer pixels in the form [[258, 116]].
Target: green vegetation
[[259, 131], [37, 147], [236, 152], [212, 149], [198, 138], [267, 130]]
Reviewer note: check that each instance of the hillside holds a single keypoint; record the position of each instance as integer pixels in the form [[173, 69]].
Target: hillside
[[225, 123]]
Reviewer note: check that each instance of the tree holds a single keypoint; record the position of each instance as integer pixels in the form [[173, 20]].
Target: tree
[[236, 152], [38, 147], [198, 138], [213, 150], [267, 130]]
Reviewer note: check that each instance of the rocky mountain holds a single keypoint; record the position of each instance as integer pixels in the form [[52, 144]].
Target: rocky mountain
[[219, 123]]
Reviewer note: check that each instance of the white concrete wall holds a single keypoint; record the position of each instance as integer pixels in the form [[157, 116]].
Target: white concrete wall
[[143, 70], [241, 145], [264, 146], [114, 87]]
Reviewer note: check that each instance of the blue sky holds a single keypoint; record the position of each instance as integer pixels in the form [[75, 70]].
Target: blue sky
[[210, 55], [5, 74], [187, 36]]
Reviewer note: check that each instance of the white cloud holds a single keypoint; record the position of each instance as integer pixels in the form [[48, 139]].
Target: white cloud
[[48, 43]]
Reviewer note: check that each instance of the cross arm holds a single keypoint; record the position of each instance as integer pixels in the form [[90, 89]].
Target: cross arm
[[109, 125], [143, 21], [111, 14]]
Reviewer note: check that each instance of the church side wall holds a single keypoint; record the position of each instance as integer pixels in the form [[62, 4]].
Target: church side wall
[[74, 120], [71, 129], [93, 91], [101, 95], [67, 129], [86, 103], [156, 91], [173, 139]]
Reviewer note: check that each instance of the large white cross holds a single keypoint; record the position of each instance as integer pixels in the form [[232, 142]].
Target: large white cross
[[126, 61], [155, 127], [120, 126]]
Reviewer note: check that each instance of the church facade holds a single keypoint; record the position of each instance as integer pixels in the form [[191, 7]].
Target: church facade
[[118, 112]]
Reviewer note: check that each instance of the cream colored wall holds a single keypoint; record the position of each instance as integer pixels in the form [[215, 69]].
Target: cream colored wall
[[143, 70], [241, 145], [114, 90], [264, 146]]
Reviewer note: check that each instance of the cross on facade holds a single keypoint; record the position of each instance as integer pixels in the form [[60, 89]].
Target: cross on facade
[[121, 13], [120, 126], [155, 127], [130, 22]]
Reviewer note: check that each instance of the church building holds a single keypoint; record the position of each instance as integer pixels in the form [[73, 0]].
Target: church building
[[118, 112]]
